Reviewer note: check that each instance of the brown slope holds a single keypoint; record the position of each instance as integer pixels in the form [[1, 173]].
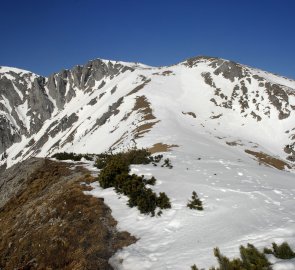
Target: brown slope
[[51, 224]]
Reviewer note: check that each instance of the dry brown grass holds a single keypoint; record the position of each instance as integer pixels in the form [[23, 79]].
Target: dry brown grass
[[144, 128], [216, 116], [161, 147], [52, 224], [142, 105], [119, 141], [138, 88], [167, 73], [269, 160]]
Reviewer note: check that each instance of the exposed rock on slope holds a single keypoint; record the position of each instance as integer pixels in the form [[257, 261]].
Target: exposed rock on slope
[[29, 99]]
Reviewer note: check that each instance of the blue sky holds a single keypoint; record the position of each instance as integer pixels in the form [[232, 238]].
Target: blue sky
[[47, 36]]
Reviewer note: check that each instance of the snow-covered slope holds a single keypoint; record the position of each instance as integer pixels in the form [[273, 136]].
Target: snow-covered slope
[[229, 130], [243, 203]]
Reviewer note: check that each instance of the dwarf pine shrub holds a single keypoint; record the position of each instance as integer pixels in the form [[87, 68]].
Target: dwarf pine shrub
[[113, 168], [251, 259], [225, 263], [151, 181], [282, 251], [195, 202], [115, 173], [72, 156], [163, 201], [167, 163], [251, 256]]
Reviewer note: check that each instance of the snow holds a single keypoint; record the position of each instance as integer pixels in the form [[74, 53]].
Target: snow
[[22, 114], [128, 64], [284, 265], [20, 94], [4, 69], [243, 203]]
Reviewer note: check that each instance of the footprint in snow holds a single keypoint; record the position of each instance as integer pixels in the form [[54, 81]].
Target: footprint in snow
[[173, 226]]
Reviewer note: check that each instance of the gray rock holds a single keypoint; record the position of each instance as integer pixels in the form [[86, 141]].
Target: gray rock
[[14, 179], [33, 90]]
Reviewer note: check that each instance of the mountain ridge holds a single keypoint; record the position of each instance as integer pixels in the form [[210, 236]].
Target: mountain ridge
[[29, 101]]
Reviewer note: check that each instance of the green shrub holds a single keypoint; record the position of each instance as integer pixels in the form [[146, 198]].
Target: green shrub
[[251, 259], [194, 267], [267, 251], [100, 163], [67, 156], [138, 156], [151, 181], [108, 174], [163, 201], [195, 202], [146, 201], [156, 159], [225, 263], [115, 173], [72, 156], [159, 213], [282, 251], [167, 163], [134, 156]]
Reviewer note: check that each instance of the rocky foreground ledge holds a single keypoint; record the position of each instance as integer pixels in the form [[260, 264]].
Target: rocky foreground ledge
[[47, 222]]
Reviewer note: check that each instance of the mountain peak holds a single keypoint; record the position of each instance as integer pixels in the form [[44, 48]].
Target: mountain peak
[[125, 102], [5, 69]]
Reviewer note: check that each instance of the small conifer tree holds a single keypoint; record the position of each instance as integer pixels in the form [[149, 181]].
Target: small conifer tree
[[163, 201], [195, 202], [283, 251], [194, 267]]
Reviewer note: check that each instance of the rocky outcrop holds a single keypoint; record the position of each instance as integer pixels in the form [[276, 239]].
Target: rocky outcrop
[[15, 178], [278, 95], [28, 100], [62, 86]]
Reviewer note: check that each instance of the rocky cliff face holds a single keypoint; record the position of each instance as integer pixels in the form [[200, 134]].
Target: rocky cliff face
[[27, 100], [110, 105]]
